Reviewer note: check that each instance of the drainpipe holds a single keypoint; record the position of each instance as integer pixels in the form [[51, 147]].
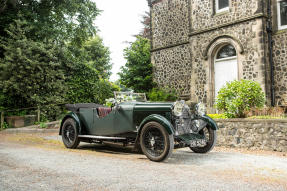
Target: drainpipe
[[270, 47]]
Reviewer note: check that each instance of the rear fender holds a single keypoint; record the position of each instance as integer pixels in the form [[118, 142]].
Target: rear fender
[[77, 120]]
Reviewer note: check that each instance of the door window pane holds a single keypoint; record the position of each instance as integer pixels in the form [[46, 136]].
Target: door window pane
[[223, 4], [283, 12]]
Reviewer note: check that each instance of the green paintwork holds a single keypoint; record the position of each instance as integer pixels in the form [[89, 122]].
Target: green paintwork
[[73, 116], [117, 122], [143, 110], [209, 120], [153, 107], [161, 120], [128, 117]]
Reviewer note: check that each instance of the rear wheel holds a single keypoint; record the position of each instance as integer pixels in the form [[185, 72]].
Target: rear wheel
[[210, 138], [70, 134], [155, 142]]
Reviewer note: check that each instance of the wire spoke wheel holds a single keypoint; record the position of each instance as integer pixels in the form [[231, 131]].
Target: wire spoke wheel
[[70, 134], [210, 140], [155, 142]]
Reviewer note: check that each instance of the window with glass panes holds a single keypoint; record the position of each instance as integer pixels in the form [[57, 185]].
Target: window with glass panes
[[221, 5], [282, 14]]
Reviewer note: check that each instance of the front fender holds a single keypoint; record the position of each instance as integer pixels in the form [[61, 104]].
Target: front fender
[[209, 121], [161, 120], [73, 116]]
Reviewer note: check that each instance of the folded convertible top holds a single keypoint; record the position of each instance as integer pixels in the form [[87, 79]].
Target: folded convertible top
[[77, 106]]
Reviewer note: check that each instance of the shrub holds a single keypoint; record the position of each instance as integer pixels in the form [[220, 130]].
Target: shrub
[[236, 98], [217, 116], [158, 94], [43, 125]]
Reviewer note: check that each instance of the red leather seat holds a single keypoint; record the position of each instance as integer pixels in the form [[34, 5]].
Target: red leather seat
[[104, 111]]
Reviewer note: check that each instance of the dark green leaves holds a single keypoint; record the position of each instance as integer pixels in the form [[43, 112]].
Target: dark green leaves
[[238, 97], [137, 73]]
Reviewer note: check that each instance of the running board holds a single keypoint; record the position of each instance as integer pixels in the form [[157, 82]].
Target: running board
[[101, 137]]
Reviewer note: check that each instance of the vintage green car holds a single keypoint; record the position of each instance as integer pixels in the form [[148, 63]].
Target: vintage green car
[[154, 128]]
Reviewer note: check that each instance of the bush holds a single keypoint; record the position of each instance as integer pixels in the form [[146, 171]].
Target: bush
[[157, 94], [217, 116], [236, 98]]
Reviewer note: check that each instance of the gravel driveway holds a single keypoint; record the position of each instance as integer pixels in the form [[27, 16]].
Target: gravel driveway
[[39, 162]]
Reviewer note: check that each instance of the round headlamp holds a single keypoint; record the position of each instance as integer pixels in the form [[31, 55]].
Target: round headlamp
[[200, 109], [178, 108]]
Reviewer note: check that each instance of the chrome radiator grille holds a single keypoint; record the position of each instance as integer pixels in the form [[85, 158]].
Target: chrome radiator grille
[[183, 123]]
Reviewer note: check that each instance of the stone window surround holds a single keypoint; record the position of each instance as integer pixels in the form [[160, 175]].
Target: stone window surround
[[209, 63], [216, 8], [280, 27]]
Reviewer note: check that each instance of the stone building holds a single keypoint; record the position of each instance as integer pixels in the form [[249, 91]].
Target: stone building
[[199, 45]]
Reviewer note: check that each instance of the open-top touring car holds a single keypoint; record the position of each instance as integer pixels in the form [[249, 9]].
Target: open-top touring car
[[154, 128]]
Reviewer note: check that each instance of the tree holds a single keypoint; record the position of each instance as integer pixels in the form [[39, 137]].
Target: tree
[[146, 31], [50, 54], [98, 56], [31, 72], [86, 86], [59, 21], [137, 72]]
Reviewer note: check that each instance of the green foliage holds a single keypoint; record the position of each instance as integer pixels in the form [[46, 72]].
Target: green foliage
[[31, 71], [122, 87], [236, 98], [137, 72], [60, 21], [85, 85], [157, 94], [98, 56], [109, 102], [43, 125], [17, 113], [6, 125], [217, 116], [50, 54]]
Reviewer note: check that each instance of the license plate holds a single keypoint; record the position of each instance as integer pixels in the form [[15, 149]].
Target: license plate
[[197, 143]]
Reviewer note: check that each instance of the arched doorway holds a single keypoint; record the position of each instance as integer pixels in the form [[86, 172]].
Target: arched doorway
[[225, 66]]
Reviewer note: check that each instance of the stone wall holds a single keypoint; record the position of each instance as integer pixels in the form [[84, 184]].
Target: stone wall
[[280, 66], [253, 134], [170, 23], [172, 68], [247, 37], [187, 33], [204, 17]]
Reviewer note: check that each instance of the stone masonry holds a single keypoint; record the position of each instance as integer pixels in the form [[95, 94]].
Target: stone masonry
[[253, 134], [186, 35]]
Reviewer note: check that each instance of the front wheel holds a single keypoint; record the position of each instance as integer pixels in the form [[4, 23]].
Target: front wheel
[[155, 142], [210, 137], [70, 134]]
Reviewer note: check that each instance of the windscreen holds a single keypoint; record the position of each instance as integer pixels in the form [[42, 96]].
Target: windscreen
[[129, 96]]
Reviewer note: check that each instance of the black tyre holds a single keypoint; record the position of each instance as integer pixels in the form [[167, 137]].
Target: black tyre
[[70, 134], [155, 142], [210, 136]]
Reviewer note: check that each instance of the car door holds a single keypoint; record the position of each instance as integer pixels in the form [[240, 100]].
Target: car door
[[103, 125], [124, 119]]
